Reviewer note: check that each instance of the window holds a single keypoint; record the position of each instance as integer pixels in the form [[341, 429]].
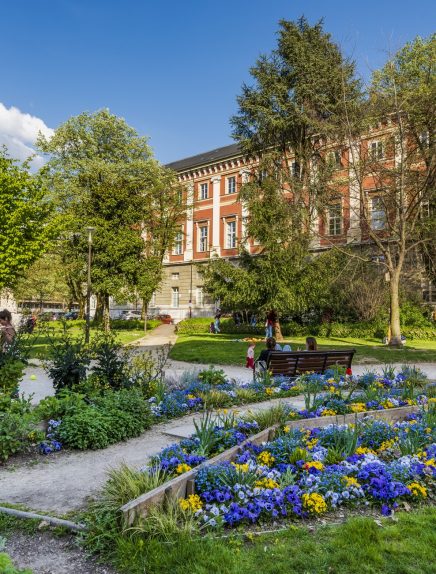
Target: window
[[153, 300], [199, 297], [175, 297], [231, 184], [295, 169], [203, 239], [335, 159], [335, 219], [175, 276], [204, 190], [424, 139], [231, 235], [376, 150], [378, 214], [178, 244]]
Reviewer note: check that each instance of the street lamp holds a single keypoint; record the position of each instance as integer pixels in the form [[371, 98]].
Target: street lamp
[[90, 231]]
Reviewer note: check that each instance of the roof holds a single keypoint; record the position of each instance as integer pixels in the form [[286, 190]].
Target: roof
[[205, 157]]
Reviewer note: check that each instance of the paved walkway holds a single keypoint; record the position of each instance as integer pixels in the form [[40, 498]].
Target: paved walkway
[[64, 482]]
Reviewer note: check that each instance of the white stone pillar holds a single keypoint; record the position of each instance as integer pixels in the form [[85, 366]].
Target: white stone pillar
[[216, 249], [354, 233], [245, 176], [189, 248]]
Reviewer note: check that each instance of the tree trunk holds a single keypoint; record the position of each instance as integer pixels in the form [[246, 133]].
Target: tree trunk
[[106, 314], [98, 317], [145, 311], [394, 322], [278, 331]]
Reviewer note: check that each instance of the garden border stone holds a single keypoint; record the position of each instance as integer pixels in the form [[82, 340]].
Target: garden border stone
[[183, 485]]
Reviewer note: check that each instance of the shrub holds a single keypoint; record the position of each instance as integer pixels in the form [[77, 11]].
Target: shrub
[[64, 403], [108, 419], [111, 367], [17, 432], [68, 361], [12, 364], [212, 376]]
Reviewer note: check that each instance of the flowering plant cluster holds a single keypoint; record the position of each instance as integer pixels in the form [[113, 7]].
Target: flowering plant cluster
[[307, 472], [50, 444]]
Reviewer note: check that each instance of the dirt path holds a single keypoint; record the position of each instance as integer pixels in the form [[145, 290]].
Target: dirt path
[[45, 553]]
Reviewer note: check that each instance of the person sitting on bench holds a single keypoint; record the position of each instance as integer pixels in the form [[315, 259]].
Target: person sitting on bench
[[265, 353], [311, 344]]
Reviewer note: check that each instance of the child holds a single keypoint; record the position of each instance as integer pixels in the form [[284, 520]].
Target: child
[[250, 356]]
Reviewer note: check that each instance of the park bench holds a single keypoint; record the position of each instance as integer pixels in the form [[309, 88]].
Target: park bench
[[295, 363]]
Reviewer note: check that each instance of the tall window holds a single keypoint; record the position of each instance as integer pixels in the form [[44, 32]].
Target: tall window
[[203, 238], [231, 235], [231, 184], [199, 298], [178, 244], [335, 219], [175, 297], [378, 213], [295, 169], [376, 150], [335, 159], [204, 190]]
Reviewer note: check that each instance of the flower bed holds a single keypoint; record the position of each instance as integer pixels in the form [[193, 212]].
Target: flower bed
[[306, 472]]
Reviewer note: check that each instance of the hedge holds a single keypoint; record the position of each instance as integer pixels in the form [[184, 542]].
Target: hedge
[[292, 329]]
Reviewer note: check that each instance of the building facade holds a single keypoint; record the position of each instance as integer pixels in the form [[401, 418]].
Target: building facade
[[215, 221]]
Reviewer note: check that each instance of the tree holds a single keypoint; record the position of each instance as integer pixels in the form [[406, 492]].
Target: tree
[[394, 166], [285, 120], [43, 281], [27, 222], [103, 175]]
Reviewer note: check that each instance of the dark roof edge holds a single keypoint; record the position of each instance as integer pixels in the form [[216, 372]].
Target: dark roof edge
[[205, 157]]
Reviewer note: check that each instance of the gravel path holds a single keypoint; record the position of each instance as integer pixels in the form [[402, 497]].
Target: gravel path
[[46, 553]]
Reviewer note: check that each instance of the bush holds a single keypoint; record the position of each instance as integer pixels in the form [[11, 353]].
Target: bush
[[17, 433], [111, 368], [12, 364], [133, 324], [108, 419], [68, 361]]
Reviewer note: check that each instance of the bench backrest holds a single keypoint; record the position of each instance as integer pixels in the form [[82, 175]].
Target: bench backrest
[[297, 362]]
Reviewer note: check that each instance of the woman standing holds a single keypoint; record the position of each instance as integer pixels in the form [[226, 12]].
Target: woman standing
[[7, 331]]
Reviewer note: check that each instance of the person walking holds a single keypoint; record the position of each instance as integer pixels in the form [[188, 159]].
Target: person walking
[[270, 320], [217, 321]]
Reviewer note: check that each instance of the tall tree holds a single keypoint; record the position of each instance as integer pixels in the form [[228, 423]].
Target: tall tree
[[285, 120], [103, 175], [394, 164], [27, 222]]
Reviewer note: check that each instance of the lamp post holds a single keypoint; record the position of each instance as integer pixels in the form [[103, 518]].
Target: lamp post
[[190, 295], [90, 231]]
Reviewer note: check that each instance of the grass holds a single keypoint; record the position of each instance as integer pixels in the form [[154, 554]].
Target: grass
[[39, 341], [357, 546], [221, 349]]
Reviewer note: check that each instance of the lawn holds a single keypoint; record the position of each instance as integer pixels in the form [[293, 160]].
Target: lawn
[[359, 546], [223, 349], [39, 341]]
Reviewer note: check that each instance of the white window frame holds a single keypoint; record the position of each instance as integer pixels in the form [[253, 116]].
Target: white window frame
[[377, 150], [335, 158], [231, 234], [231, 184], [377, 222], [204, 190], [178, 244], [175, 297], [203, 238], [294, 173], [175, 276], [335, 220]]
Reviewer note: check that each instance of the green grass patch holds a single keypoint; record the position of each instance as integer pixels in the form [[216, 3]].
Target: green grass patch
[[39, 342], [358, 546], [221, 349]]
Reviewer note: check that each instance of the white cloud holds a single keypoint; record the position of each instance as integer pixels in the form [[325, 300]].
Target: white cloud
[[18, 132]]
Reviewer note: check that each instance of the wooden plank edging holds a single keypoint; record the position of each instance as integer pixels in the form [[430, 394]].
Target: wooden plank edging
[[183, 485]]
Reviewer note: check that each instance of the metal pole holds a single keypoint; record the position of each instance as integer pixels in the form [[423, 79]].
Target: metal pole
[[190, 295], [88, 289]]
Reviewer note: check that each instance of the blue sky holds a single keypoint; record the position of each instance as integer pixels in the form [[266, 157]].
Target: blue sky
[[171, 69]]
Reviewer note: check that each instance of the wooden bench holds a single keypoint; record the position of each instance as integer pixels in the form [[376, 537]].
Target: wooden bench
[[297, 362]]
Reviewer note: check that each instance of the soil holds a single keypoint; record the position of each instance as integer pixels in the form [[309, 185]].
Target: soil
[[45, 553]]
